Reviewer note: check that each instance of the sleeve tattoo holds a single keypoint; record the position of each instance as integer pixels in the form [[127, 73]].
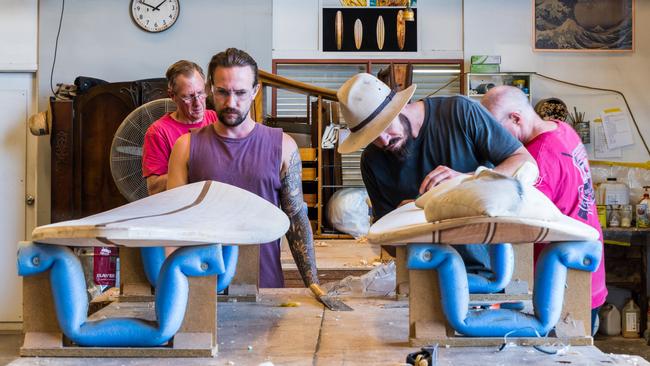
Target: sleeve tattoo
[[299, 236]]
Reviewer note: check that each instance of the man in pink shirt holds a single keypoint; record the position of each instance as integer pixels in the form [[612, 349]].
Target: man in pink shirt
[[564, 174], [186, 87]]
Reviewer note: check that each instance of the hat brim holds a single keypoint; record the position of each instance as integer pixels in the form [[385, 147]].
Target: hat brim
[[363, 137]]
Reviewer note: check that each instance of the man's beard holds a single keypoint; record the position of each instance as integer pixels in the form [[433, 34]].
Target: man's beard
[[404, 151], [240, 117]]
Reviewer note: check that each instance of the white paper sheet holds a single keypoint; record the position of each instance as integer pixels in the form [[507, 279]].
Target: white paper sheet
[[601, 150], [618, 131]]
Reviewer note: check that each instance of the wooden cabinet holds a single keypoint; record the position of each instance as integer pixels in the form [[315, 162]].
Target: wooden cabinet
[[81, 137]]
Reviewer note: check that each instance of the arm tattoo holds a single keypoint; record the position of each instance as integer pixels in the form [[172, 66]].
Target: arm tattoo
[[299, 236]]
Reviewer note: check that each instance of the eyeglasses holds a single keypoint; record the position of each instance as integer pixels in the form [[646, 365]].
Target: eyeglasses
[[223, 94], [192, 97]]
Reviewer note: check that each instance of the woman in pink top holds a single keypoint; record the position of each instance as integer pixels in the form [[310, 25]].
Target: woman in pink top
[[564, 174]]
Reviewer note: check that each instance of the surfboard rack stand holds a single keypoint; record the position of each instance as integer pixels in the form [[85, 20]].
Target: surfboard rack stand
[[197, 336]]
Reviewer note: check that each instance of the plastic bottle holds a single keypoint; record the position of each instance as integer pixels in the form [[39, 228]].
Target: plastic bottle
[[630, 318], [642, 219], [646, 333], [610, 320], [614, 216]]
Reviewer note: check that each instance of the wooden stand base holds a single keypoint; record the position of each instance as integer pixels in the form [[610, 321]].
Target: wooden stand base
[[182, 345], [197, 336], [428, 325]]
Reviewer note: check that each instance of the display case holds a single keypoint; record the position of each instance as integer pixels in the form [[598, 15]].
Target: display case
[[478, 84]]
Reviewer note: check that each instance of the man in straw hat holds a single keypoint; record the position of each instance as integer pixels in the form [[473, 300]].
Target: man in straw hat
[[564, 173], [412, 147], [238, 151]]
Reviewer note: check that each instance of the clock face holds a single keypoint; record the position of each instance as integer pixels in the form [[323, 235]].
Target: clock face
[[154, 15]]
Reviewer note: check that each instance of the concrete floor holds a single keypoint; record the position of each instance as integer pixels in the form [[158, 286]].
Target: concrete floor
[[11, 341], [626, 346]]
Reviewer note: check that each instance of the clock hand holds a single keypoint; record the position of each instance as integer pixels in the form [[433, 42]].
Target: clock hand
[[145, 4], [157, 7]]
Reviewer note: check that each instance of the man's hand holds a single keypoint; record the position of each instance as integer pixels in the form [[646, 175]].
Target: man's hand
[[437, 176], [405, 202]]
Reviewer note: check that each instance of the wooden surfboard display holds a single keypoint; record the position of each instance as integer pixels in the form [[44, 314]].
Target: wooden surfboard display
[[401, 30], [407, 224], [358, 33], [380, 32], [205, 212], [338, 28]]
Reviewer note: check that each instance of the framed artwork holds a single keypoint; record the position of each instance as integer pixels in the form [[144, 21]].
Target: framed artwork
[[583, 25]]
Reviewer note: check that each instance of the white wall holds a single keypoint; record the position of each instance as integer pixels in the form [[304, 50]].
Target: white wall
[[504, 27], [99, 39]]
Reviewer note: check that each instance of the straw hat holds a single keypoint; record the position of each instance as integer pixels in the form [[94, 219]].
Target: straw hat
[[368, 106]]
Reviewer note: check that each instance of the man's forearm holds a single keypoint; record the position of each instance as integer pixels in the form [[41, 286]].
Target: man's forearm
[[300, 237], [301, 243], [156, 184], [510, 165]]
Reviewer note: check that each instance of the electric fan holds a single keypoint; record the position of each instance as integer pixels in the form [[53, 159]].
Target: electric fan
[[126, 149]]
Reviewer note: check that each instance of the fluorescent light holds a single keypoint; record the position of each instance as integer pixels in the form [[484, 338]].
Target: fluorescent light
[[436, 71]]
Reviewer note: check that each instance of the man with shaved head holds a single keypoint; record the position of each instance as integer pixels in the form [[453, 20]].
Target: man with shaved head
[[564, 175]]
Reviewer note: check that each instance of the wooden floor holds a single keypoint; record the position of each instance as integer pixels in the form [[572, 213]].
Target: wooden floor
[[374, 334]]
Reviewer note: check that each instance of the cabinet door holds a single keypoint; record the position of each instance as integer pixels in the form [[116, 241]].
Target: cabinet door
[[98, 114], [152, 89]]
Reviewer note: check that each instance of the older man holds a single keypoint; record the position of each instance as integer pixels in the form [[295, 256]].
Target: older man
[[564, 175], [186, 87]]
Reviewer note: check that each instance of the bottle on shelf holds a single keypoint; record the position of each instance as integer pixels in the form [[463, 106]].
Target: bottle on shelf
[[646, 333], [610, 320], [642, 219], [630, 318]]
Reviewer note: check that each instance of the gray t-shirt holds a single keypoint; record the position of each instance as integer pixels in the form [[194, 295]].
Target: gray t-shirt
[[458, 133]]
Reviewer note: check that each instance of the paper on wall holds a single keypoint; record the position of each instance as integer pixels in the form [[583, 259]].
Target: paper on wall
[[601, 150], [618, 132]]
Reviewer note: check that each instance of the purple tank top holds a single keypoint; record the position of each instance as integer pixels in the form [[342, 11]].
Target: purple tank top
[[251, 163]]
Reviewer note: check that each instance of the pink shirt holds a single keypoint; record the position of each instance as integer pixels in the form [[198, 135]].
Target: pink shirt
[[565, 178], [160, 138]]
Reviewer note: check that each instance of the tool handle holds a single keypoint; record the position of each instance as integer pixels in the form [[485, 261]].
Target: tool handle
[[316, 289]]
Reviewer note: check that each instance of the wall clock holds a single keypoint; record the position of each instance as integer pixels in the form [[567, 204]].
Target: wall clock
[[155, 15]]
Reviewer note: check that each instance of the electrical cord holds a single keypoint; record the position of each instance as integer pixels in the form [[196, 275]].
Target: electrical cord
[[627, 105], [56, 47], [547, 350]]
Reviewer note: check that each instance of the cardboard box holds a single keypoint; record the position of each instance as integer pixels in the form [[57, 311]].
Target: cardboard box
[[485, 69], [485, 59]]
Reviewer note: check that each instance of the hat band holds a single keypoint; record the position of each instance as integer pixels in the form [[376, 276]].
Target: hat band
[[374, 114]]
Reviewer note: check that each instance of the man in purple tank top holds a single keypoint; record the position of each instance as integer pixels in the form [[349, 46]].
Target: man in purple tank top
[[238, 151]]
